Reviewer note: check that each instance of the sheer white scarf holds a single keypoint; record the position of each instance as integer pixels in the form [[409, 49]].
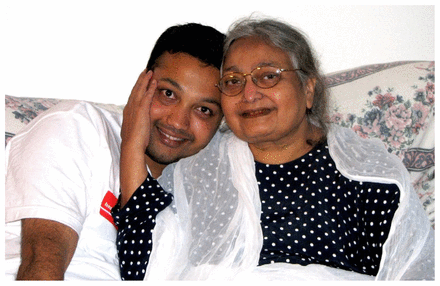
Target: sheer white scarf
[[212, 231]]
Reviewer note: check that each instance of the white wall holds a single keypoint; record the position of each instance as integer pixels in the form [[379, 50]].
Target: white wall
[[94, 50]]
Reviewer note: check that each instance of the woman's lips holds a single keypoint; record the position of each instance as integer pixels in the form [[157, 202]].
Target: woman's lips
[[256, 112]]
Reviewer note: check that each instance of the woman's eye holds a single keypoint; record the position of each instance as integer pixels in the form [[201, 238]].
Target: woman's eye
[[269, 76], [232, 81]]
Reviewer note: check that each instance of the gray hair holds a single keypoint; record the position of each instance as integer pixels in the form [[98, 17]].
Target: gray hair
[[296, 45]]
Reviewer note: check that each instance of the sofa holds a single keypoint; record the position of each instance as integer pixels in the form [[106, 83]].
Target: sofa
[[390, 101]]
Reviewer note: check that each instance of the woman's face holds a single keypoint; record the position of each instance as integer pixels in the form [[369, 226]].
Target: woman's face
[[260, 116]]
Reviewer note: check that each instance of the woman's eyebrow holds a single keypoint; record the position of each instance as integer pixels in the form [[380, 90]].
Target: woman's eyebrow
[[231, 68], [260, 64]]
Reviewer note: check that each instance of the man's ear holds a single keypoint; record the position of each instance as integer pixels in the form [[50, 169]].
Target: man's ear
[[310, 92]]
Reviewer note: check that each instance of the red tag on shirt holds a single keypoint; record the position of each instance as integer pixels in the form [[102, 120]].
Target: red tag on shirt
[[107, 204]]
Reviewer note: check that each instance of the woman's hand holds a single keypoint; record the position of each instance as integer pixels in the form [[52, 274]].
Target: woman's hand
[[135, 134]]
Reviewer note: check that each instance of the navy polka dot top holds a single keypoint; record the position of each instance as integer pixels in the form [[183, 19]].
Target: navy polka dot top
[[311, 213]]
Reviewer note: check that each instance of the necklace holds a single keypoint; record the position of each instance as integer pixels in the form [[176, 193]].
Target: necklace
[[280, 155]]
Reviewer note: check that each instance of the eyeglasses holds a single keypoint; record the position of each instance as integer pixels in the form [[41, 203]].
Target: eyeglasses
[[263, 77]]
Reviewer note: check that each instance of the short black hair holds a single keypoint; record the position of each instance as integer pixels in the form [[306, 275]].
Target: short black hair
[[202, 42]]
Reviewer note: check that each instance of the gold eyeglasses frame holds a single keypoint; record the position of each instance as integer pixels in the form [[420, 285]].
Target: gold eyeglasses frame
[[278, 71]]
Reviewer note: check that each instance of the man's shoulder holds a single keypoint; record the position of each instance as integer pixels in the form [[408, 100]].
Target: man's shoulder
[[71, 115], [84, 108], [70, 124]]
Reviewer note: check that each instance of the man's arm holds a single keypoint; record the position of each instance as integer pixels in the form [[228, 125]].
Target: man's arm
[[47, 247]]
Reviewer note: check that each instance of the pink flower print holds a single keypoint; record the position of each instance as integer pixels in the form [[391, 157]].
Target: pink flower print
[[12, 103], [430, 97], [420, 113], [430, 87], [359, 131], [430, 90], [396, 139], [384, 100], [336, 118], [374, 127], [398, 117], [416, 127]]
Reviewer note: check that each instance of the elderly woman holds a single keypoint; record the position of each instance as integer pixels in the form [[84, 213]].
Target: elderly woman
[[276, 195]]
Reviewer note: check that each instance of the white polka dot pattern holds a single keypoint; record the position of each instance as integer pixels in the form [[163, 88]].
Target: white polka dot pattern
[[135, 222]]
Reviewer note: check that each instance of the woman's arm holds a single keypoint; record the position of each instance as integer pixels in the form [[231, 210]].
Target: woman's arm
[[135, 222]]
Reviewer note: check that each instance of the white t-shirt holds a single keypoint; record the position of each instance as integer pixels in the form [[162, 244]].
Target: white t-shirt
[[64, 166]]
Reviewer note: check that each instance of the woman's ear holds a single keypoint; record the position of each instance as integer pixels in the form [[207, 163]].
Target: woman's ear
[[310, 92]]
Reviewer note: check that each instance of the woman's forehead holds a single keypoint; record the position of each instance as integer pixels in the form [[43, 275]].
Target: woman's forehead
[[249, 53]]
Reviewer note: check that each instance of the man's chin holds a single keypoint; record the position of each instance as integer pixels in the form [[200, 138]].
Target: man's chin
[[162, 160]]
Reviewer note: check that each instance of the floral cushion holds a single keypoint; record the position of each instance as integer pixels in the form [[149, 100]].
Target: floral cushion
[[20, 111], [392, 101]]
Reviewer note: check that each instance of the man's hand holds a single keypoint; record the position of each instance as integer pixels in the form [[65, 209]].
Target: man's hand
[[135, 135], [47, 247]]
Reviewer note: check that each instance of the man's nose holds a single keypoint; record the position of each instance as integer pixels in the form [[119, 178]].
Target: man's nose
[[179, 118]]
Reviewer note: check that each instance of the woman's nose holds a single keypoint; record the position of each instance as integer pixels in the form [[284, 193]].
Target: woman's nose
[[251, 90]]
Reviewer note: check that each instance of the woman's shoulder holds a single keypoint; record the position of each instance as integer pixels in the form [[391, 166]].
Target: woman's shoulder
[[358, 157]]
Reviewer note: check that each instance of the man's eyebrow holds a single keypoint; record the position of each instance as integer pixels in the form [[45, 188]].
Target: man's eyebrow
[[212, 101], [176, 85], [172, 82]]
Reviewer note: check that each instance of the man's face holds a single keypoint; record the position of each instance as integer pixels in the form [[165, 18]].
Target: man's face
[[185, 111]]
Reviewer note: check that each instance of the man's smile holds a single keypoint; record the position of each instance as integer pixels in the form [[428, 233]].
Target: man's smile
[[171, 138]]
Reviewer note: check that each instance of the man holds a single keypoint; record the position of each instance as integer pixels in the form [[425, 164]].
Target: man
[[62, 176]]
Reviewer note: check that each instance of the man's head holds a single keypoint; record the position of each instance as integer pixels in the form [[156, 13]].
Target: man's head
[[185, 111], [202, 42]]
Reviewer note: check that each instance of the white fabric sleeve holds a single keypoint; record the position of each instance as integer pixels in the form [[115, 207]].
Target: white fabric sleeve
[[48, 167], [408, 253]]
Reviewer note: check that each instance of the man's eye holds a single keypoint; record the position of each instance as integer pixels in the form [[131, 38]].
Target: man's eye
[[205, 110], [167, 92], [167, 96]]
